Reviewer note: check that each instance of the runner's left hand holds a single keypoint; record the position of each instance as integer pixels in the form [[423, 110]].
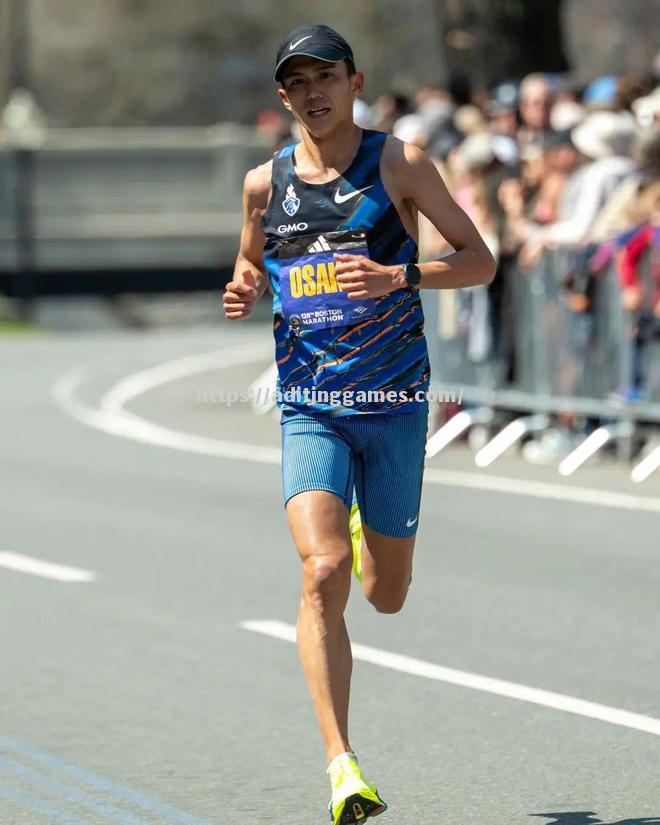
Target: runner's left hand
[[360, 277]]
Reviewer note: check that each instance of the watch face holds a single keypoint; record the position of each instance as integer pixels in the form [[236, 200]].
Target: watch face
[[413, 275]]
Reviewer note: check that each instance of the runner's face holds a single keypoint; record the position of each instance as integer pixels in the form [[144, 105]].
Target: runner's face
[[319, 95]]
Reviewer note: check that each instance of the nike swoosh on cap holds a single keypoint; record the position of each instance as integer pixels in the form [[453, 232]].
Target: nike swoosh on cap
[[292, 46], [410, 522], [341, 198]]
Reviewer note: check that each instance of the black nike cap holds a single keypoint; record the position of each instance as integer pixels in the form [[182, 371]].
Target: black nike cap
[[317, 41]]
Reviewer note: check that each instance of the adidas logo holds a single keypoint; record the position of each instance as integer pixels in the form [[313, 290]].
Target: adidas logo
[[321, 245]]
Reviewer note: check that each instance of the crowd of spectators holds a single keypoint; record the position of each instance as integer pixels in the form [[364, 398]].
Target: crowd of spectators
[[540, 164]]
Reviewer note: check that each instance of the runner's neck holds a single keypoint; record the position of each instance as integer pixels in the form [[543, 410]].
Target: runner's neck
[[322, 160]]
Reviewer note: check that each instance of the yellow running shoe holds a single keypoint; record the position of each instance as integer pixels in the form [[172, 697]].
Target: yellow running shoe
[[354, 798], [355, 526]]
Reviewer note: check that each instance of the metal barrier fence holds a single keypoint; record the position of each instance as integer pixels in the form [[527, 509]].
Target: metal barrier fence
[[548, 342], [561, 351], [532, 351]]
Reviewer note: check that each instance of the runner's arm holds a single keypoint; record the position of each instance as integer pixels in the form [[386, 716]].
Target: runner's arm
[[419, 182], [250, 279], [256, 190]]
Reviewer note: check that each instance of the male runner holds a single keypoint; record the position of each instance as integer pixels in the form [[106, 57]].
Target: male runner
[[331, 224]]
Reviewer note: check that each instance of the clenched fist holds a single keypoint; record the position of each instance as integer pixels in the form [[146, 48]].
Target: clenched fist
[[240, 297]]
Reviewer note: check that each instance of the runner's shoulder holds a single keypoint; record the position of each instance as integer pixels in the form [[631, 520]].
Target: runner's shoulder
[[256, 186], [401, 157], [405, 163]]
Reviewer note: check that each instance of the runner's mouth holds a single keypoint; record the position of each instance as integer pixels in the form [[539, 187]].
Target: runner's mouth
[[320, 112]]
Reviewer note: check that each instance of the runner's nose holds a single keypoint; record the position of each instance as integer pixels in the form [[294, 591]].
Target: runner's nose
[[313, 91]]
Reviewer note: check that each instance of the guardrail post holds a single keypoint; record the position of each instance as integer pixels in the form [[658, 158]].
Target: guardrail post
[[22, 122], [24, 284]]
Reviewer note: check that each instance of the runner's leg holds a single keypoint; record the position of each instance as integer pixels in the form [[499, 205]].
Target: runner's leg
[[319, 524], [386, 569], [388, 482]]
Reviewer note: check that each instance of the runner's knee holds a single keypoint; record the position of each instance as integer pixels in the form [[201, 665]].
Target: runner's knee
[[326, 581], [387, 599]]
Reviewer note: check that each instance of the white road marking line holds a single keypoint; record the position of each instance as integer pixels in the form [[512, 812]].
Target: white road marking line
[[542, 489], [46, 569], [112, 418], [134, 427], [486, 684], [140, 382]]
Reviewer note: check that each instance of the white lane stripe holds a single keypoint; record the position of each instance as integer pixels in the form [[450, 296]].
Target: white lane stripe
[[134, 427], [145, 380], [45, 569], [113, 419], [486, 684], [542, 489]]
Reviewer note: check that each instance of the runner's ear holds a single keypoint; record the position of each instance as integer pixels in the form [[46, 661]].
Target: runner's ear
[[357, 84], [285, 101]]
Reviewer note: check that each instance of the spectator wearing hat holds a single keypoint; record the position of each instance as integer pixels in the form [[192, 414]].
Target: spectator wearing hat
[[566, 114], [502, 110], [469, 120], [601, 93], [536, 99], [624, 209], [559, 160], [411, 129], [604, 141], [534, 200]]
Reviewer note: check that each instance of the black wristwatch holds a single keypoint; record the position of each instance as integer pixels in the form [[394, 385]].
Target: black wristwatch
[[413, 275]]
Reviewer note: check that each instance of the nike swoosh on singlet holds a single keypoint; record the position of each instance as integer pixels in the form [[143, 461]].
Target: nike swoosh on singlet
[[411, 521], [292, 46], [341, 198]]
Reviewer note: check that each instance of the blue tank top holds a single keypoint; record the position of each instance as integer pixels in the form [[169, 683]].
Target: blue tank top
[[333, 358]]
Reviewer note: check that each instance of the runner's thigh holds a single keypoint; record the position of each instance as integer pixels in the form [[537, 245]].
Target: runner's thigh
[[388, 478], [317, 479]]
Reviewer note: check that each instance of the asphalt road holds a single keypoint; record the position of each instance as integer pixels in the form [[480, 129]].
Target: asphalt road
[[138, 697]]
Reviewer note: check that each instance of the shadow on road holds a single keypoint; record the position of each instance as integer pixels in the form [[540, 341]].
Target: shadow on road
[[590, 818]]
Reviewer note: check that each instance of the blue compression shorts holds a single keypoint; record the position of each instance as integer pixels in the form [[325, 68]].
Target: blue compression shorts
[[380, 455]]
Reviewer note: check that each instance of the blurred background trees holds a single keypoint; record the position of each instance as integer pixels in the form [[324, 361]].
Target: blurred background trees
[[490, 42], [124, 62]]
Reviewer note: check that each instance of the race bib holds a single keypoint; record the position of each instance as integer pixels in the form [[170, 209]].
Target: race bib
[[310, 294]]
